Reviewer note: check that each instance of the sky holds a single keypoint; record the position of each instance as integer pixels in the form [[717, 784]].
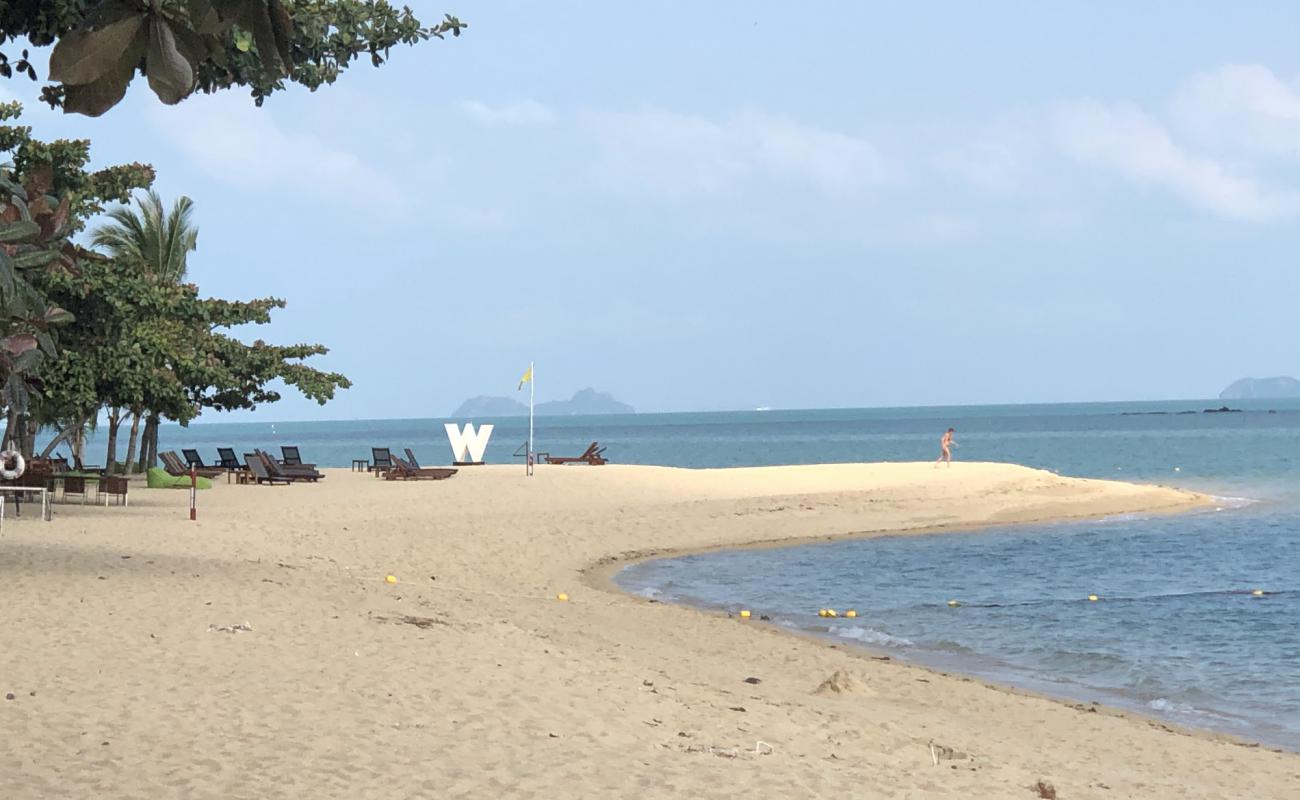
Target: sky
[[730, 205]]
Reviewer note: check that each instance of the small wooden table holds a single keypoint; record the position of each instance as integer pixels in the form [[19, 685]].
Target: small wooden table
[[360, 465]]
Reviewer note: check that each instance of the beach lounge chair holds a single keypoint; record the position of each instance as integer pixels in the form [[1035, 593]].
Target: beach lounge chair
[[292, 458], [193, 457], [410, 458], [174, 466], [594, 456], [257, 467], [380, 460], [228, 460], [405, 471], [77, 466], [279, 469]]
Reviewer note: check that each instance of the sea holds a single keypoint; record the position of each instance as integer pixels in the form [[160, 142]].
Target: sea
[[1197, 617]]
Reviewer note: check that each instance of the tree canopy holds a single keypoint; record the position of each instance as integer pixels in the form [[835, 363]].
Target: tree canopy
[[46, 194], [183, 46], [139, 342], [82, 330]]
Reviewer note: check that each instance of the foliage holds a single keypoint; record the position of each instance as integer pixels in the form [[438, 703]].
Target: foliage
[[45, 196], [120, 331], [159, 240], [182, 46], [142, 343]]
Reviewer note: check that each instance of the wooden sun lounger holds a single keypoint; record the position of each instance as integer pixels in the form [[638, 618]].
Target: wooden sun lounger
[[410, 459], [594, 455], [404, 471], [292, 457], [257, 467], [228, 458], [380, 460], [193, 457], [291, 472], [174, 466]]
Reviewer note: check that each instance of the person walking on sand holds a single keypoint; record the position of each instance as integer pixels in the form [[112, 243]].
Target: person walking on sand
[[945, 448]]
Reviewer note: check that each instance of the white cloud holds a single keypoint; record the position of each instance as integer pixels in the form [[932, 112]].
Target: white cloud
[[1000, 159], [236, 143], [678, 154], [516, 114], [1127, 140], [1241, 108]]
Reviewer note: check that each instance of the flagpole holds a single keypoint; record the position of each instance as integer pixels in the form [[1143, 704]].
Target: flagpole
[[532, 391]]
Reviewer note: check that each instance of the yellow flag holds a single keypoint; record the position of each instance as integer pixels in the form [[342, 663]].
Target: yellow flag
[[528, 376]]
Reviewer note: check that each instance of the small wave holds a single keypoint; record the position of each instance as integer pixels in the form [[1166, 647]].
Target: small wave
[[872, 636], [1166, 706], [1233, 502]]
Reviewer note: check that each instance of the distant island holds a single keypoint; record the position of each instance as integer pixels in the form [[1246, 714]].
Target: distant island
[[586, 401], [1262, 388]]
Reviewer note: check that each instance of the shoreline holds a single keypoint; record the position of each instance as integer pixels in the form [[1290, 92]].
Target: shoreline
[[603, 574], [602, 570], [262, 651]]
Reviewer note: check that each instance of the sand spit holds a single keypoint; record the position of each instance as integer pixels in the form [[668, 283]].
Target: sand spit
[[260, 652]]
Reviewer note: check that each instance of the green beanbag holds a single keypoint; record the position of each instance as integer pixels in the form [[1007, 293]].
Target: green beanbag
[[159, 478]]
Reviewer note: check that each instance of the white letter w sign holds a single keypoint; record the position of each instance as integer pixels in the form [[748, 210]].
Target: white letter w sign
[[468, 445]]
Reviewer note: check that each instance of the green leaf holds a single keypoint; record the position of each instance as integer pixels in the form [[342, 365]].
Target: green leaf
[[170, 76], [8, 277], [18, 231], [58, 316], [84, 57], [205, 19], [36, 258]]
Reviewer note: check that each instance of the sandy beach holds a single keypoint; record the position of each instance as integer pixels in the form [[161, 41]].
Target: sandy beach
[[259, 652]]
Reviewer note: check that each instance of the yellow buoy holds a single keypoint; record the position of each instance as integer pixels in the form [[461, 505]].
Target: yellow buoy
[[1258, 592], [821, 612], [850, 613], [1092, 598], [561, 597], [391, 579], [744, 613], [830, 612], [953, 604]]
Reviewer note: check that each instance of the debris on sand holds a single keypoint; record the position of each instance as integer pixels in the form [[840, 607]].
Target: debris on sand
[[841, 682], [238, 626], [407, 619], [1045, 790]]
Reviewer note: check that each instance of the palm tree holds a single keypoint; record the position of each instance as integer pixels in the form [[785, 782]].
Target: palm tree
[[158, 241]]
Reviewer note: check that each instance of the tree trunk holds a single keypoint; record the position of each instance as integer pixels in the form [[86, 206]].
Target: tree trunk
[[110, 457], [79, 444], [150, 442], [26, 441], [64, 435], [10, 424], [70, 434], [131, 442]]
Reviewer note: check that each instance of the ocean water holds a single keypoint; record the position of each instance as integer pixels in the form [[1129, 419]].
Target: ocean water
[[1251, 450], [1176, 633]]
